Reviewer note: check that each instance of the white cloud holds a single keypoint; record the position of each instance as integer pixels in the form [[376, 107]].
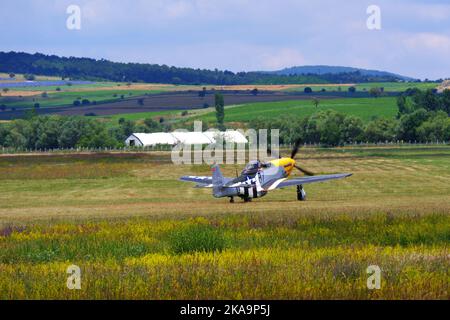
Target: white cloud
[[281, 58], [429, 41]]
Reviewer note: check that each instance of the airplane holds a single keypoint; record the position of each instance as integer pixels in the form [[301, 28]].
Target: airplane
[[258, 178]]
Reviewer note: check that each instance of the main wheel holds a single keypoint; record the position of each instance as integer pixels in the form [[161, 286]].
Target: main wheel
[[301, 194], [231, 200]]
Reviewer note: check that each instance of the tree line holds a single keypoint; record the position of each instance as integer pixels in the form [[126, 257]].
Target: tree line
[[91, 69], [63, 132]]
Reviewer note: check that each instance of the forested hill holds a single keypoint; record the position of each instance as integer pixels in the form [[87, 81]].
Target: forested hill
[[91, 69], [304, 70]]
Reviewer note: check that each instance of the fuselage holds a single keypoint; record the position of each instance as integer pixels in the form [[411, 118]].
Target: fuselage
[[255, 184]]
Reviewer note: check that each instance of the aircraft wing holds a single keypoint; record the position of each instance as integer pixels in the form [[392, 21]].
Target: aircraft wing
[[312, 179], [197, 179]]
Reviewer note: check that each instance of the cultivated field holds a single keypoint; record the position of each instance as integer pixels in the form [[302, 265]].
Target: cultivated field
[[137, 232], [111, 98]]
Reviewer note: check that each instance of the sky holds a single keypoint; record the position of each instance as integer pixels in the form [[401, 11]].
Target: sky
[[238, 35]]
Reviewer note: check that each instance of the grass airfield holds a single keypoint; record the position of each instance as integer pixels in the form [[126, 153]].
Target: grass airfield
[[136, 232]]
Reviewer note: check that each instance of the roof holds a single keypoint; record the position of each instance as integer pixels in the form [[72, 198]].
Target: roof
[[174, 138], [228, 136], [149, 139], [192, 137]]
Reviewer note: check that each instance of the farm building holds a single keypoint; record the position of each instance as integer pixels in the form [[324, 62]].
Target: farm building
[[174, 138]]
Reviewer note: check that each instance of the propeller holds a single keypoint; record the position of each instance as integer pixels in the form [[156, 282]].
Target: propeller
[[294, 153], [307, 172], [295, 148]]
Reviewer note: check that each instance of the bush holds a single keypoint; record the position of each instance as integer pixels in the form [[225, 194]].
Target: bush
[[85, 102], [196, 238], [76, 103], [29, 77], [308, 90]]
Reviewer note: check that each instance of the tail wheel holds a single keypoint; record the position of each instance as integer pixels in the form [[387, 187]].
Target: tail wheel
[[301, 194]]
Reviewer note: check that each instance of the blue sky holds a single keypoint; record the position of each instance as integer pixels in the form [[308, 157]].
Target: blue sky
[[238, 35]]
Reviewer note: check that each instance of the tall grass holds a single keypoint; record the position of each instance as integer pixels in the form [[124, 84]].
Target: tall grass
[[249, 257]]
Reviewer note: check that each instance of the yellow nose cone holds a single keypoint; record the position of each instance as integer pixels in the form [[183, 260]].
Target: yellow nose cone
[[286, 163]]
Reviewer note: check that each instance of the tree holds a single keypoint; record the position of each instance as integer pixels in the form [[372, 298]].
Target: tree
[[410, 122], [76, 103], [307, 90], [436, 128], [12, 75], [152, 125], [352, 129], [5, 90], [375, 92], [427, 100], [44, 94], [29, 77], [446, 101], [352, 89], [380, 129], [220, 110], [316, 102], [254, 91]]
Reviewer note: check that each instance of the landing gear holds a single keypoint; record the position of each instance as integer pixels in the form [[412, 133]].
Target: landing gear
[[247, 199], [301, 194], [231, 199]]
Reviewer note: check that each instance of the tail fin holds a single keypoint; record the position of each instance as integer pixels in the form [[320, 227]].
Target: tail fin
[[217, 177]]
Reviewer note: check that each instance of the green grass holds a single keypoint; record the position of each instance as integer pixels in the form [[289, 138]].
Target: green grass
[[65, 98], [364, 108], [137, 232]]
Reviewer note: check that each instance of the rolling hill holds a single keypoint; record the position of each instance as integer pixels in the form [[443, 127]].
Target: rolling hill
[[323, 70]]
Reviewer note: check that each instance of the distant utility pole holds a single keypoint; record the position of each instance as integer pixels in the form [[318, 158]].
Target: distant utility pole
[[220, 110]]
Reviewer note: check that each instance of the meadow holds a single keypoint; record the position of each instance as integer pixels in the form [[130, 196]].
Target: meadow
[[137, 232], [364, 108]]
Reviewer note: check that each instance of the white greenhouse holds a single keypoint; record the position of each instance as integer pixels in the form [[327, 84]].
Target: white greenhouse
[[175, 138]]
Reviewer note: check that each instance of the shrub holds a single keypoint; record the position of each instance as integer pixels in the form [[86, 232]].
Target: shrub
[[196, 238], [76, 103], [29, 77]]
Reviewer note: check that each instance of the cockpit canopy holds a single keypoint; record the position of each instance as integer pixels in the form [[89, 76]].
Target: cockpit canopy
[[253, 166]]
